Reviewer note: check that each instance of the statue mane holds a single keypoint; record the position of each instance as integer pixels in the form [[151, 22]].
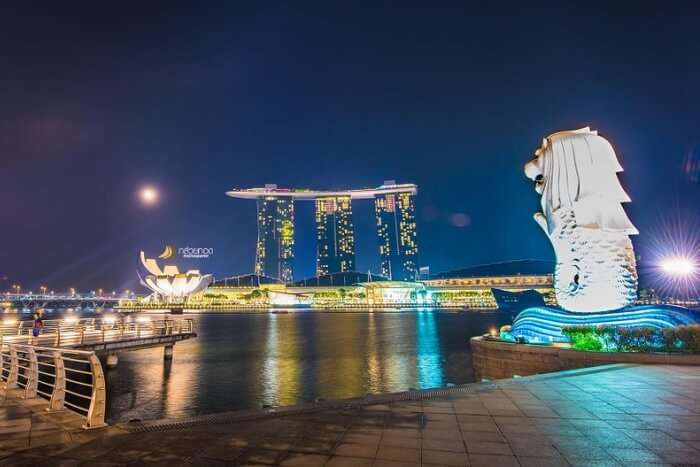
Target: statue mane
[[580, 173]]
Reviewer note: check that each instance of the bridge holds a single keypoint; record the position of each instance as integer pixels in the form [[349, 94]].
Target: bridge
[[104, 336], [22, 301]]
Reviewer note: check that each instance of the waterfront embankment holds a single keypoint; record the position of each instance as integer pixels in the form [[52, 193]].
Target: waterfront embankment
[[577, 418]]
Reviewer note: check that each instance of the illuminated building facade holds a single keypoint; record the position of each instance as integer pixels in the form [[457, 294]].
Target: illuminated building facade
[[274, 253], [335, 235], [396, 231], [396, 228]]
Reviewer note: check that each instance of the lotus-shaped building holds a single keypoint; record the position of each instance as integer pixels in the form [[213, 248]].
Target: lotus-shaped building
[[170, 283]]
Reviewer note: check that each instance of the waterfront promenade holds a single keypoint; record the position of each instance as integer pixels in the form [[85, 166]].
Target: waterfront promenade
[[604, 416]]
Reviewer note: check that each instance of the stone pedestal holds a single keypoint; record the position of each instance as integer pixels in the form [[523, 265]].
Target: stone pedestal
[[168, 352], [498, 359], [112, 360]]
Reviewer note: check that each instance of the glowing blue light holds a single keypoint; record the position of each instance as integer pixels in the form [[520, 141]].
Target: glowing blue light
[[428, 354], [540, 324]]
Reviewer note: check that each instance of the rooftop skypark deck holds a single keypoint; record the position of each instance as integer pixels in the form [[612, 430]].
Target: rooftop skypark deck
[[310, 195]]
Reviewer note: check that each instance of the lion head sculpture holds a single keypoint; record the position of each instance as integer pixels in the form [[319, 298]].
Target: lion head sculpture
[[575, 172]]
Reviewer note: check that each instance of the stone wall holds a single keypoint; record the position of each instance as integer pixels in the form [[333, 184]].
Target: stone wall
[[496, 359]]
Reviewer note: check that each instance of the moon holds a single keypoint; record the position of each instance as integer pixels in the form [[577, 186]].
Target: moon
[[148, 195]]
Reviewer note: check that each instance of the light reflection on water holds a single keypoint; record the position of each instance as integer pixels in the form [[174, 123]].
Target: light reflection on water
[[242, 361]]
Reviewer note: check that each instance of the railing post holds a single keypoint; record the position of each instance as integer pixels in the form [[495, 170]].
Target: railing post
[[82, 336], [96, 411], [12, 377], [33, 376], [59, 385], [57, 342]]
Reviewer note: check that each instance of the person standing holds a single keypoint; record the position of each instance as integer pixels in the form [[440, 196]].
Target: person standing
[[37, 326]]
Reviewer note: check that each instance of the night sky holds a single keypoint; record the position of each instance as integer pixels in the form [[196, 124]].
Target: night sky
[[96, 101]]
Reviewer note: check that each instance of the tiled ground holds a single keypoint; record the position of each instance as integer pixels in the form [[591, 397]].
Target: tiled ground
[[26, 424], [633, 415]]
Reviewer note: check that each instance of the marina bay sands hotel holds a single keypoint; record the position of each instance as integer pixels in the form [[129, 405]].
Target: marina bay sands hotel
[[395, 214]]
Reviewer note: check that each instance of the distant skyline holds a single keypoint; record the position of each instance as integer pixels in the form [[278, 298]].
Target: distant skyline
[[100, 100]]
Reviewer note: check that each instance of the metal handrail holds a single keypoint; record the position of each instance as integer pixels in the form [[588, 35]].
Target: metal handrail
[[76, 375], [77, 332]]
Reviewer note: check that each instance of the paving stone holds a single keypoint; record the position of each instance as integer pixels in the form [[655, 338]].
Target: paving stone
[[485, 447], [430, 456], [634, 455], [396, 441], [261, 456], [305, 460], [356, 450], [542, 462], [489, 436], [222, 452], [390, 463], [594, 463], [341, 461], [359, 438], [487, 460], [398, 454], [679, 457], [453, 434], [443, 445]]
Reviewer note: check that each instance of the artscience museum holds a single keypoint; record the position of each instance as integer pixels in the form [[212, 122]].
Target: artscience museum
[[169, 283]]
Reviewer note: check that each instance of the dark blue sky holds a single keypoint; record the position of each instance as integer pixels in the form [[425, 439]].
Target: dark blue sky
[[97, 100]]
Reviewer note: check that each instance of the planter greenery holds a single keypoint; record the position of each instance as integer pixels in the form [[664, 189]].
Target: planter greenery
[[683, 339]]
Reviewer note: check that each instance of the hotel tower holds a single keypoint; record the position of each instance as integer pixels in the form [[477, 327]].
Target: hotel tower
[[335, 232]]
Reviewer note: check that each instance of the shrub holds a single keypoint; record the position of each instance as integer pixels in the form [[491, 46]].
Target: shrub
[[638, 339], [608, 338], [583, 338], [682, 339], [606, 334]]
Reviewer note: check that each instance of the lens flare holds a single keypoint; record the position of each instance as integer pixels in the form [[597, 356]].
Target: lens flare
[[678, 266], [671, 260]]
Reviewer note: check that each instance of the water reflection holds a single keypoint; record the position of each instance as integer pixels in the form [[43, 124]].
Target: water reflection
[[280, 369], [375, 373], [241, 361], [428, 356]]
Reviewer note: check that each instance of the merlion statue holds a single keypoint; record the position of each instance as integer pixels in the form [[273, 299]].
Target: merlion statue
[[575, 172], [595, 277]]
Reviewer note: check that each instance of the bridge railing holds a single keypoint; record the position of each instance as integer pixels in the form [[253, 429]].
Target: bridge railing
[[68, 379], [72, 332]]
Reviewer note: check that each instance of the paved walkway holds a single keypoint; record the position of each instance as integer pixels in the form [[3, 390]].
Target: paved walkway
[[607, 416]]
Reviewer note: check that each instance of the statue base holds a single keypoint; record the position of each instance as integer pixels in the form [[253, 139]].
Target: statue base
[[544, 324]]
